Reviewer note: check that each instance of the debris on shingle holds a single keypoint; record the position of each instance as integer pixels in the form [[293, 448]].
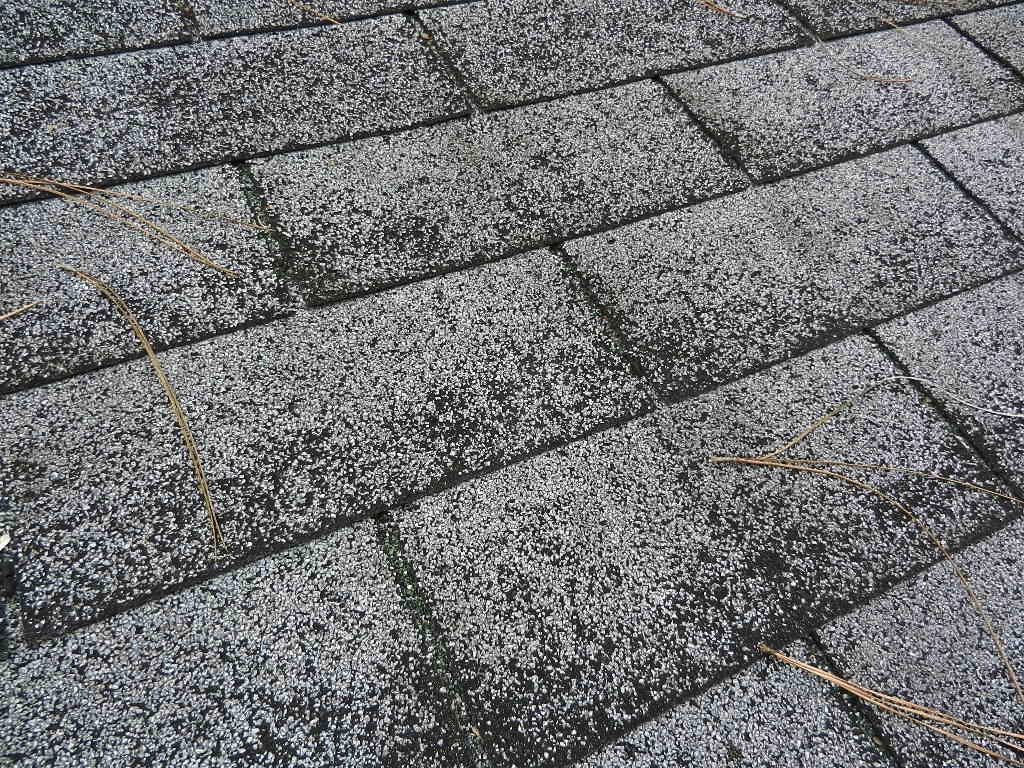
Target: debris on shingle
[[218, 17], [1000, 30], [520, 50], [971, 346], [768, 716], [923, 642], [988, 159], [303, 424], [36, 30], [176, 299], [380, 211], [150, 112], [830, 18], [585, 589], [305, 658], [801, 109], [725, 287]]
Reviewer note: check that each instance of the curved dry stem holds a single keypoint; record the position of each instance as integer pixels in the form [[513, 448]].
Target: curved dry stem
[[711, 5], [312, 11], [172, 396], [20, 310]]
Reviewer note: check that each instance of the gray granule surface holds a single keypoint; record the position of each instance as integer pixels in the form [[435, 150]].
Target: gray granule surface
[[989, 160], [379, 211], [519, 50], [139, 114], [924, 642], [302, 424], [768, 716], [1000, 30], [175, 298], [841, 17], [306, 658], [971, 346], [35, 30], [718, 289], [797, 110], [590, 586], [218, 17]]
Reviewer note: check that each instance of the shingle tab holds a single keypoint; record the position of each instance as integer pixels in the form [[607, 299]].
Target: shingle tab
[[713, 291], [218, 17], [843, 17], [769, 716], [1000, 30], [989, 160], [306, 658], [587, 587], [924, 642], [150, 112], [971, 346], [801, 109], [303, 424], [175, 298], [36, 30], [386, 210], [520, 50]]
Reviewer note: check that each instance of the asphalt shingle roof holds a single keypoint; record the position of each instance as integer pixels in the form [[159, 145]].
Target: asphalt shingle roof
[[532, 265]]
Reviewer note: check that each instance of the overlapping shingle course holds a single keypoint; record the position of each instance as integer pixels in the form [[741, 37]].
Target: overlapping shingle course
[[566, 564]]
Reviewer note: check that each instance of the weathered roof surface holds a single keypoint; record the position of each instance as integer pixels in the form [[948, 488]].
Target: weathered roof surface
[[531, 265]]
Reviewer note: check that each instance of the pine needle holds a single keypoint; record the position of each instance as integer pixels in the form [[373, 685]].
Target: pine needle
[[929, 718], [312, 11], [710, 4], [172, 396], [15, 312]]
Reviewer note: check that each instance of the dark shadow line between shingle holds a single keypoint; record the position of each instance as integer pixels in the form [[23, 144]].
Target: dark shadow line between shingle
[[869, 715], [985, 49], [428, 37]]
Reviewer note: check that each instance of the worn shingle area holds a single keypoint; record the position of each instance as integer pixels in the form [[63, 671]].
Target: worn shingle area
[[220, 17], [800, 109], [380, 211], [989, 160], [925, 643], [175, 298], [1001, 30], [768, 716], [36, 30], [830, 18], [306, 658], [713, 291], [971, 347], [303, 424], [150, 112], [587, 587], [519, 50]]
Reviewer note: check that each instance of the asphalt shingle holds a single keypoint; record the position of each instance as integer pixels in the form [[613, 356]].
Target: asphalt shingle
[[385, 210], [150, 112], [1000, 30], [718, 289], [989, 160], [306, 658], [924, 642], [768, 716], [520, 50], [971, 346], [830, 18], [584, 589], [304, 423], [801, 109], [175, 298], [36, 30], [218, 17]]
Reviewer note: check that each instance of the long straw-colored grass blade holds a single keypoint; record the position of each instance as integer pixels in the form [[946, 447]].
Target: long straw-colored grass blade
[[20, 310], [312, 11], [126, 217], [711, 5], [172, 396], [927, 717], [961, 575]]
